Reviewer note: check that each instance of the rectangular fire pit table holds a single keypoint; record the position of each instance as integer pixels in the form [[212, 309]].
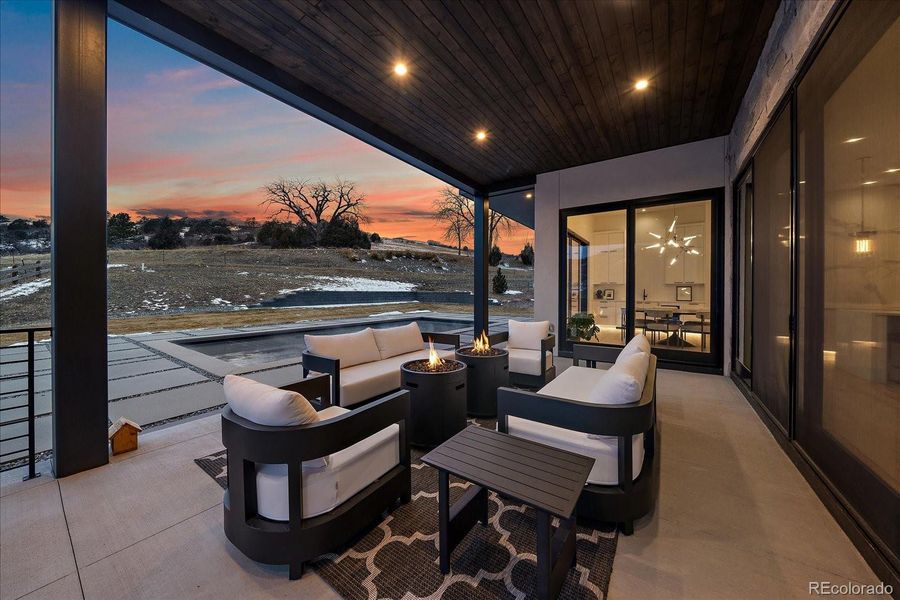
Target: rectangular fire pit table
[[545, 478]]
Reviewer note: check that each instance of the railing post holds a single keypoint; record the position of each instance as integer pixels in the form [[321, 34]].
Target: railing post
[[31, 472]]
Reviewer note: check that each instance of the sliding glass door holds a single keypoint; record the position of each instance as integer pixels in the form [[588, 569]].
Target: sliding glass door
[[652, 269], [771, 294], [818, 309], [848, 158]]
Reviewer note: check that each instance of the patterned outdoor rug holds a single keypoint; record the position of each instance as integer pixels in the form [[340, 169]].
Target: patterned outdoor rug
[[398, 558]]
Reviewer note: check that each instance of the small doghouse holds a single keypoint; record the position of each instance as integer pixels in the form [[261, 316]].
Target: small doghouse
[[123, 435]]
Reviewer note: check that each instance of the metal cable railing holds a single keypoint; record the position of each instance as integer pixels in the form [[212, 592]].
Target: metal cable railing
[[15, 408]]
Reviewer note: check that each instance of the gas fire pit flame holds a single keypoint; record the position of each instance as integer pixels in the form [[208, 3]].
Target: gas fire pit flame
[[481, 344], [434, 361]]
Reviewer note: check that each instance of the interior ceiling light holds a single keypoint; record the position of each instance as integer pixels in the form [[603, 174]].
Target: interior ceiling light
[[869, 182], [481, 135], [641, 85], [853, 140], [529, 195], [863, 242], [892, 170], [400, 69], [671, 240]]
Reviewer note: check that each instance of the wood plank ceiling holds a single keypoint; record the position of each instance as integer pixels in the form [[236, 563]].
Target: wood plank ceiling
[[551, 82]]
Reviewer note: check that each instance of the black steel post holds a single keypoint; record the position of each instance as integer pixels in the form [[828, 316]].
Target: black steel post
[[78, 207], [482, 240], [31, 473]]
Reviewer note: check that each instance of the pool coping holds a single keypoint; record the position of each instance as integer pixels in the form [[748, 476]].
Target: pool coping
[[220, 368]]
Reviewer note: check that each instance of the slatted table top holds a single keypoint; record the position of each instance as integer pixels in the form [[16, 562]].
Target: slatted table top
[[541, 476]]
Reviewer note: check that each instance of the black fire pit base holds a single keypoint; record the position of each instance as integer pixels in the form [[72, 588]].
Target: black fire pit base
[[485, 374], [437, 405]]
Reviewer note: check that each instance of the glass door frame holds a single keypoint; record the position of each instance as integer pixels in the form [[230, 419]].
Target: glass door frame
[[708, 362]]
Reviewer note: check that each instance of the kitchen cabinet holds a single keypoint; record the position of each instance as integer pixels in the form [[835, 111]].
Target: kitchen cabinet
[[607, 257], [689, 268]]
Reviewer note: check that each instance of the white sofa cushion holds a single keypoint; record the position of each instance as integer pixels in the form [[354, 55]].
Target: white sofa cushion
[[324, 489], [615, 388], [638, 343], [393, 341], [350, 348], [361, 382], [267, 405], [575, 383], [528, 362], [527, 335], [604, 450]]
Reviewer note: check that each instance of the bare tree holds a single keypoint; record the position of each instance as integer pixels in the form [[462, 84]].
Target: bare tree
[[457, 214], [314, 203]]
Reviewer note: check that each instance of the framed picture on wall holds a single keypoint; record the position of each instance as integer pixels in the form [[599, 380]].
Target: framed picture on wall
[[684, 293], [609, 294]]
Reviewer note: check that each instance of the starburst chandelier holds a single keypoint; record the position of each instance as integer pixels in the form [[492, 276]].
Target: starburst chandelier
[[671, 242]]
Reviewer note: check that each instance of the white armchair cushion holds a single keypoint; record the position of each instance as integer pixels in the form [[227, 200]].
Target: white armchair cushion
[[350, 348], [267, 405], [528, 362], [527, 335], [638, 343], [393, 341], [347, 472]]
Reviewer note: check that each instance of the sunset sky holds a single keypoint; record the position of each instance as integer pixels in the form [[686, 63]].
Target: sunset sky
[[185, 140]]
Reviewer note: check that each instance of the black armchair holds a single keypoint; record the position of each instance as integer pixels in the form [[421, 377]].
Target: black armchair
[[528, 380], [299, 539], [632, 497]]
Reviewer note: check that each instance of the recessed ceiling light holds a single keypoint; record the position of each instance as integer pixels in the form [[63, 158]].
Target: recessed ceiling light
[[481, 135], [869, 182], [853, 140], [641, 84], [400, 69], [892, 170], [529, 195], [802, 182]]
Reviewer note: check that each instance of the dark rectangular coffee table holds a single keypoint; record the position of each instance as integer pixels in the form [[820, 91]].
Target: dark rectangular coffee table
[[545, 478]]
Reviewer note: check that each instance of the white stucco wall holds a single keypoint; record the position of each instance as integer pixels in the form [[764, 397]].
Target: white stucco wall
[[695, 166]]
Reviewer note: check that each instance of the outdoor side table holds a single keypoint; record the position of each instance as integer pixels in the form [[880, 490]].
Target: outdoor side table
[[547, 479]]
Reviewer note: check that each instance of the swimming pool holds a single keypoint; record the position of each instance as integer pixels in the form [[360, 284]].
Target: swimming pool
[[270, 346]]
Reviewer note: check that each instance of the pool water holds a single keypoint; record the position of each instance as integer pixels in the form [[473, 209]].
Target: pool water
[[280, 345]]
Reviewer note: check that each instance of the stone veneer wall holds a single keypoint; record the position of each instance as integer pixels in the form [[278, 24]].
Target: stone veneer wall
[[793, 30]]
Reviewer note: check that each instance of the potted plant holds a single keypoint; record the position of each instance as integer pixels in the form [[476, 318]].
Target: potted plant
[[581, 326]]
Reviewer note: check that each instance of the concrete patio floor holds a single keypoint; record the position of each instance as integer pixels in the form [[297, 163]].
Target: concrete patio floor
[[735, 519]]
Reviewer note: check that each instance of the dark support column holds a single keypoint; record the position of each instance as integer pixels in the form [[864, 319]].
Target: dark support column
[[79, 236], [482, 234]]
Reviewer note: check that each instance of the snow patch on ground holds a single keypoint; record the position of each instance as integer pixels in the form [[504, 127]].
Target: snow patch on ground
[[116, 265], [351, 284], [219, 301], [342, 305], [244, 273], [388, 313], [512, 292], [24, 289]]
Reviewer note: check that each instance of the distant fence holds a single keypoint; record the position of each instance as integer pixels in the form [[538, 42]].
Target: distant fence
[[327, 298], [25, 271]]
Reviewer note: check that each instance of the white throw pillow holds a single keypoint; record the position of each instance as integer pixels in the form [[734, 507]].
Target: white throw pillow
[[615, 388], [638, 343], [527, 335], [394, 341], [350, 348], [267, 405], [635, 365]]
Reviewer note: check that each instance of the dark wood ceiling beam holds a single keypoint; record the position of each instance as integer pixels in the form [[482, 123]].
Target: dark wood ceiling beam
[[711, 30], [662, 90]]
